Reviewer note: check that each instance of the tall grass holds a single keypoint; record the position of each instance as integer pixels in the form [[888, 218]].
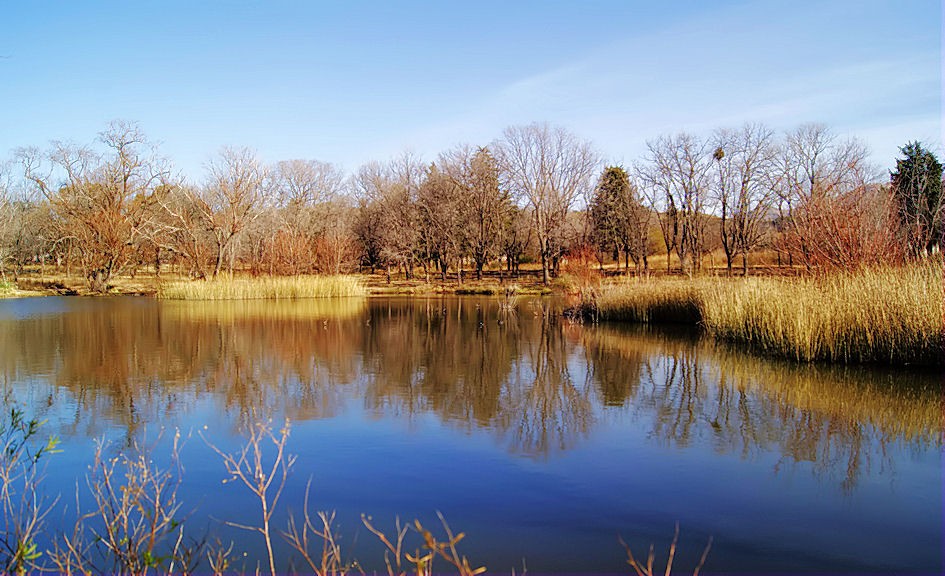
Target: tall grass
[[884, 315], [266, 287], [649, 301]]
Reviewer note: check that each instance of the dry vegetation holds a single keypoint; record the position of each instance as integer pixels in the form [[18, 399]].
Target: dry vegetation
[[132, 523], [889, 315], [884, 315], [265, 287], [12, 290]]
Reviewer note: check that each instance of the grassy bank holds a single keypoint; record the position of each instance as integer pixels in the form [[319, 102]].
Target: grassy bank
[[265, 287], [10, 290], [886, 315]]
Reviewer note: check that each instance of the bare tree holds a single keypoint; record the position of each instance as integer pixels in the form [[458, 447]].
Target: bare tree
[[636, 239], [181, 228], [369, 186], [100, 200], [336, 243], [387, 224], [485, 203], [230, 199], [816, 171], [744, 188], [443, 215], [401, 214], [8, 221], [675, 175], [300, 183], [547, 168], [294, 216], [516, 238]]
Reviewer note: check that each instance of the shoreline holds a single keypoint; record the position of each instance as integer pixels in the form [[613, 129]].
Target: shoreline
[[882, 316]]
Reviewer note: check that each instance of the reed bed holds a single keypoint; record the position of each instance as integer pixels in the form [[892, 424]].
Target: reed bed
[[264, 288], [648, 301], [884, 315]]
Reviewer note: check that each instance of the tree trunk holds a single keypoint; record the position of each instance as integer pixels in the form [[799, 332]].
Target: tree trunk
[[219, 260]]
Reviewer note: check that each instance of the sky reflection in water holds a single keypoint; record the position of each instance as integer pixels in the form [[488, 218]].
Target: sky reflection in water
[[538, 438]]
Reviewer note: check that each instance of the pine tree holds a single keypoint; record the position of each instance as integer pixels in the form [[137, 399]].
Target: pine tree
[[917, 190]]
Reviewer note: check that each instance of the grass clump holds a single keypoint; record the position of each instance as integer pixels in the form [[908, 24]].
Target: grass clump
[[884, 315], [887, 315], [268, 288], [645, 301]]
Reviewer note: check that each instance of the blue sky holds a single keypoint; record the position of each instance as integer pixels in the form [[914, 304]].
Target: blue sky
[[353, 81]]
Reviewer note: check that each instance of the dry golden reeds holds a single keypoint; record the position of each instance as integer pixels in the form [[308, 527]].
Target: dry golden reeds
[[650, 301], [264, 287], [891, 315], [886, 315]]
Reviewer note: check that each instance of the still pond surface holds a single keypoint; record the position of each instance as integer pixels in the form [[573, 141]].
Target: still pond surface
[[541, 440]]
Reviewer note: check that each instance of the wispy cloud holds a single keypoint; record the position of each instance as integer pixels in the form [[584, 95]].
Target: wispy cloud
[[635, 89]]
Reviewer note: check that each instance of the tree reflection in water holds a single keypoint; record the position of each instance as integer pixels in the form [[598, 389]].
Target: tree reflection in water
[[537, 384], [838, 419]]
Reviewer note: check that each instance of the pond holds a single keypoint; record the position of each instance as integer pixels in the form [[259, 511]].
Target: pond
[[542, 440]]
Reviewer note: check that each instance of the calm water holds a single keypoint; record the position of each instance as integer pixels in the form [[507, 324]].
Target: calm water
[[540, 439]]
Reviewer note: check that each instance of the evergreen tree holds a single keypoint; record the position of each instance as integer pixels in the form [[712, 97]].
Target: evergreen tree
[[917, 189], [608, 218]]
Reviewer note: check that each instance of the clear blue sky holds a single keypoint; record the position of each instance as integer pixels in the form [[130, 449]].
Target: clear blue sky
[[353, 81]]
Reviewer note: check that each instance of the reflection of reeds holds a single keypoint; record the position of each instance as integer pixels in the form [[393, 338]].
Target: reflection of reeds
[[898, 405], [887, 315], [227, 312], [265, 287]]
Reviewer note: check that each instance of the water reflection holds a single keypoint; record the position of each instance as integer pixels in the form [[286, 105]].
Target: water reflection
[[476, 366], [840, 420], [539, 385]]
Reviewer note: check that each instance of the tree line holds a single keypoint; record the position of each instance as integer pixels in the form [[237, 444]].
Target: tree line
[[538, 193]]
